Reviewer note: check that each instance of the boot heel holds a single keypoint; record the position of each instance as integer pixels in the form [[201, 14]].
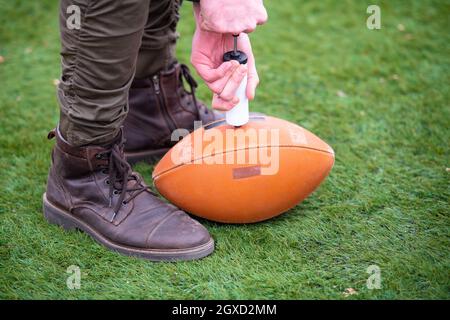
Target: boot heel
[[54, 216]]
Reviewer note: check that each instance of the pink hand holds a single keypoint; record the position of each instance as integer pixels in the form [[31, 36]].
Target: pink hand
[[231, 16], [223, 78]]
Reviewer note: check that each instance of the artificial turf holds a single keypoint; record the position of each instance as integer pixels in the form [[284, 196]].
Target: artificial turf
[[380, 98]]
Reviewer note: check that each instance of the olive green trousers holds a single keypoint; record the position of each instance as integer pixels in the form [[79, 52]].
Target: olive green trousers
[[105, 44]]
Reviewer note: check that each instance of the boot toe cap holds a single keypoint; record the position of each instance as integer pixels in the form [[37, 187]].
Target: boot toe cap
[[178, 231]]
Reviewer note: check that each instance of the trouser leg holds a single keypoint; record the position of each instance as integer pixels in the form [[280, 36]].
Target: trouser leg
[[162, 94], [157, 51], [98, 64]]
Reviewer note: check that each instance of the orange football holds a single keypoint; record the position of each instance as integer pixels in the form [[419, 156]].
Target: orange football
[[246, 174]]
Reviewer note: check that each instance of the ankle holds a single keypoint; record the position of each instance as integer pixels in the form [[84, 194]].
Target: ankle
[[82, 136]]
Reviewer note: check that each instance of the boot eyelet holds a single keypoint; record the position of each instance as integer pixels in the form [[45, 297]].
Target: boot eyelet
[[104, 171], [116, 192], [124, 203], [107, 182]]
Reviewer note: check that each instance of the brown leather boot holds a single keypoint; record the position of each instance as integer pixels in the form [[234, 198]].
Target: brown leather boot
[[159, 105], [93, 189]]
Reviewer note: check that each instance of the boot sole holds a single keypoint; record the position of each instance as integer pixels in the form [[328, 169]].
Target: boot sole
[[150, 157], [55, 215]]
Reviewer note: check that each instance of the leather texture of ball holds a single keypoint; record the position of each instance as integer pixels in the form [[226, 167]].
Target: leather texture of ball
[[245, 174]]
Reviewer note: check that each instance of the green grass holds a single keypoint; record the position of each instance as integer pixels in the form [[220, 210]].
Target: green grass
[[386, 201]]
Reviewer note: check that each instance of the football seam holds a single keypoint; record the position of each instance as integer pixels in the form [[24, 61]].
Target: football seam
[[228, 151]]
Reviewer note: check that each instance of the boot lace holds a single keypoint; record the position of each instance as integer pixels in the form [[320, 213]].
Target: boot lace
[[120, 174]]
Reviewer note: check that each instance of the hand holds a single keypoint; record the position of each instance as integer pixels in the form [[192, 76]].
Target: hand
[[223, 78], [231, 16]]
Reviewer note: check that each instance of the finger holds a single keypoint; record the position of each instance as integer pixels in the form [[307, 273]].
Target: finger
[[210, 74], [252, 83], [218, 85], [262, 18], [250, 29], [224, 105], [252, 77], [229, 91], [251, 26]]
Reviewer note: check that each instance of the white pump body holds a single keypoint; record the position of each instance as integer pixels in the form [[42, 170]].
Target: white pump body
[[239, 115]]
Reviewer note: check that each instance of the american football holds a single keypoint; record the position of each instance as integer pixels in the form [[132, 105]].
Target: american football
[[243, 174]]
